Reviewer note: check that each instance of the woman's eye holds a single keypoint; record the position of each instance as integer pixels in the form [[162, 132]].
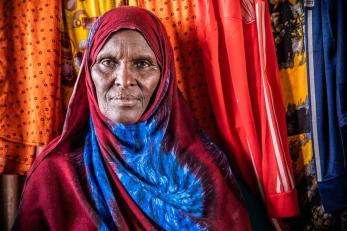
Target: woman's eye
[[142, 63], [108, 62]]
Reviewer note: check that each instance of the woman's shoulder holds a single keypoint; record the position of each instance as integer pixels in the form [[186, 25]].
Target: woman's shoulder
[[56, 165], [55, 175], [55, 195]]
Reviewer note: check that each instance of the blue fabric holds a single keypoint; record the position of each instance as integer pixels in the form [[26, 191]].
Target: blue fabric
[[333, 193], [99, 183], [166, 191], [330, 88]]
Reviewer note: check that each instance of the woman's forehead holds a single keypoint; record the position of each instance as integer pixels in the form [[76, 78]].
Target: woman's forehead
[[126, 36], [136, 20], [127, 41]]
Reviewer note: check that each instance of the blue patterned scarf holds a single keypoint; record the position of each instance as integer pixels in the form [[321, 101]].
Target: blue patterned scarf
[[166, 191]]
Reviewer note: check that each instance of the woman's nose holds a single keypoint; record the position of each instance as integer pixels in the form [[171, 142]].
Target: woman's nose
[[125, 77]]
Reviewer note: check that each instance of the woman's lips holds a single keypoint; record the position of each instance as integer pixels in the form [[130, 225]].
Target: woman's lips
[[125, 101]]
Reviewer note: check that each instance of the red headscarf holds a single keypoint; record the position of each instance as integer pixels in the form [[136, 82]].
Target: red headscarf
[[223, 207]]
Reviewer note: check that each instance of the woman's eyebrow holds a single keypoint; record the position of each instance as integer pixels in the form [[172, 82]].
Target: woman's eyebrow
[[109, 54], [144, 56], [106, 54]]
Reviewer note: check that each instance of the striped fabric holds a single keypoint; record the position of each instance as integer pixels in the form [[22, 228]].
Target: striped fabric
[[326, 38], [241, 65]]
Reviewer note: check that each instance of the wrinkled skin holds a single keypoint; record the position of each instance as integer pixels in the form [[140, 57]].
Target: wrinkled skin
[[125, 76]]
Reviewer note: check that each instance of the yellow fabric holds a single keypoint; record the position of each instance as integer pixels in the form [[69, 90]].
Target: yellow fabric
[[133, 3], [294, 83], [288, 29], [78, 17], [303, 150], [295, 94]]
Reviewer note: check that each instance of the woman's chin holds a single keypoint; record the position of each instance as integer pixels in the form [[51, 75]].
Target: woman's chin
[[124, 118]]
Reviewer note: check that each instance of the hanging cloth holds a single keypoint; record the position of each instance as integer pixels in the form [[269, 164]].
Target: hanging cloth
[[242, 74], [326, 47], [30, 100], [288, 25]]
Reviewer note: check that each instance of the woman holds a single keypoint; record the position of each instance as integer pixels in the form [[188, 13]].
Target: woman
[[130, 157]]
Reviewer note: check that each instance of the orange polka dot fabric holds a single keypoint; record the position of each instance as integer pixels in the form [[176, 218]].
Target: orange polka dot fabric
[[15, 158], [178, 17], [30, 101]]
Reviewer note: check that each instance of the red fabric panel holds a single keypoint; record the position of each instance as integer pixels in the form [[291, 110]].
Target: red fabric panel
[[240, 60]]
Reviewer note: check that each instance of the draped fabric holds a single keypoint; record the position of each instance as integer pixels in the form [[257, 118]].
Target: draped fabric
[[163, 151], [288, 24], [244, 86], [326, 37], [30, 100], [167, 192]]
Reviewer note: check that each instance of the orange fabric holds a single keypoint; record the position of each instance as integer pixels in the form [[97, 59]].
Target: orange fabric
[[179, 20], [30, 104], [15, 158]]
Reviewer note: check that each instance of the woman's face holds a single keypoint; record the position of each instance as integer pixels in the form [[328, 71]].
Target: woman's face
[[125, 76]]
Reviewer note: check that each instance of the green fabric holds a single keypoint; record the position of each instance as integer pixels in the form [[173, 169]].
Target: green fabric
[[256, 210]]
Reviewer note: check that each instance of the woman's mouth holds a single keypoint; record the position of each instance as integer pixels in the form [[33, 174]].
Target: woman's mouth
[[125, 101]]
